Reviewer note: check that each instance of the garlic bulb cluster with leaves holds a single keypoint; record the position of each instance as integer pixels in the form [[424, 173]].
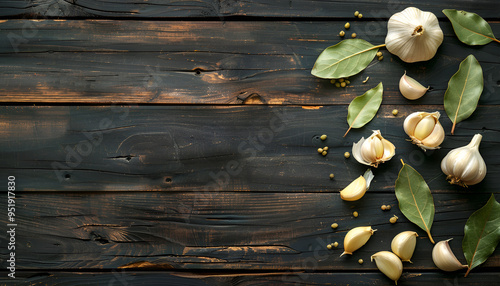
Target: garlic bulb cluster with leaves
[[464, 166], [373, 150], [413, 35], [424, 129]]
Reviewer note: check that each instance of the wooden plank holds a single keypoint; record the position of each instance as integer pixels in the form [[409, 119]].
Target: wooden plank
[[220, 9], [228, 63], [220, 231], [292, 278], [240, 148]]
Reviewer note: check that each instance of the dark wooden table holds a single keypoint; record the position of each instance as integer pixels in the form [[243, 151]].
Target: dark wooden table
[[174, 143]]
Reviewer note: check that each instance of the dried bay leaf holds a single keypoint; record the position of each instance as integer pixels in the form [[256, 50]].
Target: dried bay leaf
[[463, 92], [344, 59], [415, 198], [363, 108], [470, 28], [482, 234]]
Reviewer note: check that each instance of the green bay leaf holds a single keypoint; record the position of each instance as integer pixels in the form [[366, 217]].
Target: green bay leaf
[[482, 234], [470, 28], [463, 92], [363, 108], [344, 59], [415, 198]]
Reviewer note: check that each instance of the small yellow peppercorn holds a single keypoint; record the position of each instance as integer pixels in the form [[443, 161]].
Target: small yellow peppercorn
[[332, 176], [355, 214], [393, 219], [356, 14], [325, 148], [324, 153], [353, 35], [388, 207], [343, 84], [329, 246], [347, 155], [395, 112], [335, 244], [347, 25], [348, 82], [380, 58], [341, 80], [342, 33], [360, 261], [379, 54], [360, 15], [337, 84], [320, 150], [383, 207], [323, 137], [335, 225], [332, 81]]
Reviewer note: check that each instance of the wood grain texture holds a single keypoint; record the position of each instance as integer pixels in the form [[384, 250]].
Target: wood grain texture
[[236, 63], [220, 9], [241, 148], [220, 230], [411, 278]]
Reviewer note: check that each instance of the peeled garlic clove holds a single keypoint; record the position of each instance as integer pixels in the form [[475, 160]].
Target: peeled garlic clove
[[413, 35], [444, 258], [464, 166], [357, 189], [410, 88], [356, 238], [424, 130], [373, 150], [403, 245], [389, 264]]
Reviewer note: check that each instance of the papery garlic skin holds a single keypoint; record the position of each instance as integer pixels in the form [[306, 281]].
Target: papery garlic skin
[[413, 35], [357, 188], [373, 150], [444, 258], [464, 166], [424, 130], [410, 88], [403, 245], [389, 264], [356, 238]]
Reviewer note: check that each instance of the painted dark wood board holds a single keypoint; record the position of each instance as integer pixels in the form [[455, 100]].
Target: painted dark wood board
[[239, 148], [293, 278], [221, 230], [228, 63], [219, 9]]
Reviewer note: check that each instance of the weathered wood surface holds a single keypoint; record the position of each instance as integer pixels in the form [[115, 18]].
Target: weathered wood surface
[[104, 61], [241, 279], [221, 230], [220, 9], [202, 148]]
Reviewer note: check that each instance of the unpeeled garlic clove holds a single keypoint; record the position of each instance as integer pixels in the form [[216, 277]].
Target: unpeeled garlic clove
[[357, 188], [464, 166], [389, 264], [373, 150], [424, 130], [410, 88], [403, 245], [356, 238], [444, 258]]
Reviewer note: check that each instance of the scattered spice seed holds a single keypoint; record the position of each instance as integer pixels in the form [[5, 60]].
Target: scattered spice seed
[[332, 176], [343, 84], [347, 25], [380, 58], [335, 244], [366, 80], [342, 33], [347, 155], [393, 219], [355, 214], [360, 261], [332, 81], [335, 225], [324, 153], [341, 80], [348, 82], [388, 207], [325, 148], [379, 54], [356, 14], [337, 84], [383, 207], [353, 35], [323, 137], [360, 15], [329, 246], [320, 150], [395, 112]]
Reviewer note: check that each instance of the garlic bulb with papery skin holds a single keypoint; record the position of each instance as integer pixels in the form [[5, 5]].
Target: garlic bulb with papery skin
[[444, 258], [410, 88], [403, 245], [373, 150], [413, 35], [424, 130], [464, 166], [389, 264]]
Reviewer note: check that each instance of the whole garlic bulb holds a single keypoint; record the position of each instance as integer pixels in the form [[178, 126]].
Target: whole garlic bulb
[[373, 150], [465, 166], [424, 130], [413, 35]]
